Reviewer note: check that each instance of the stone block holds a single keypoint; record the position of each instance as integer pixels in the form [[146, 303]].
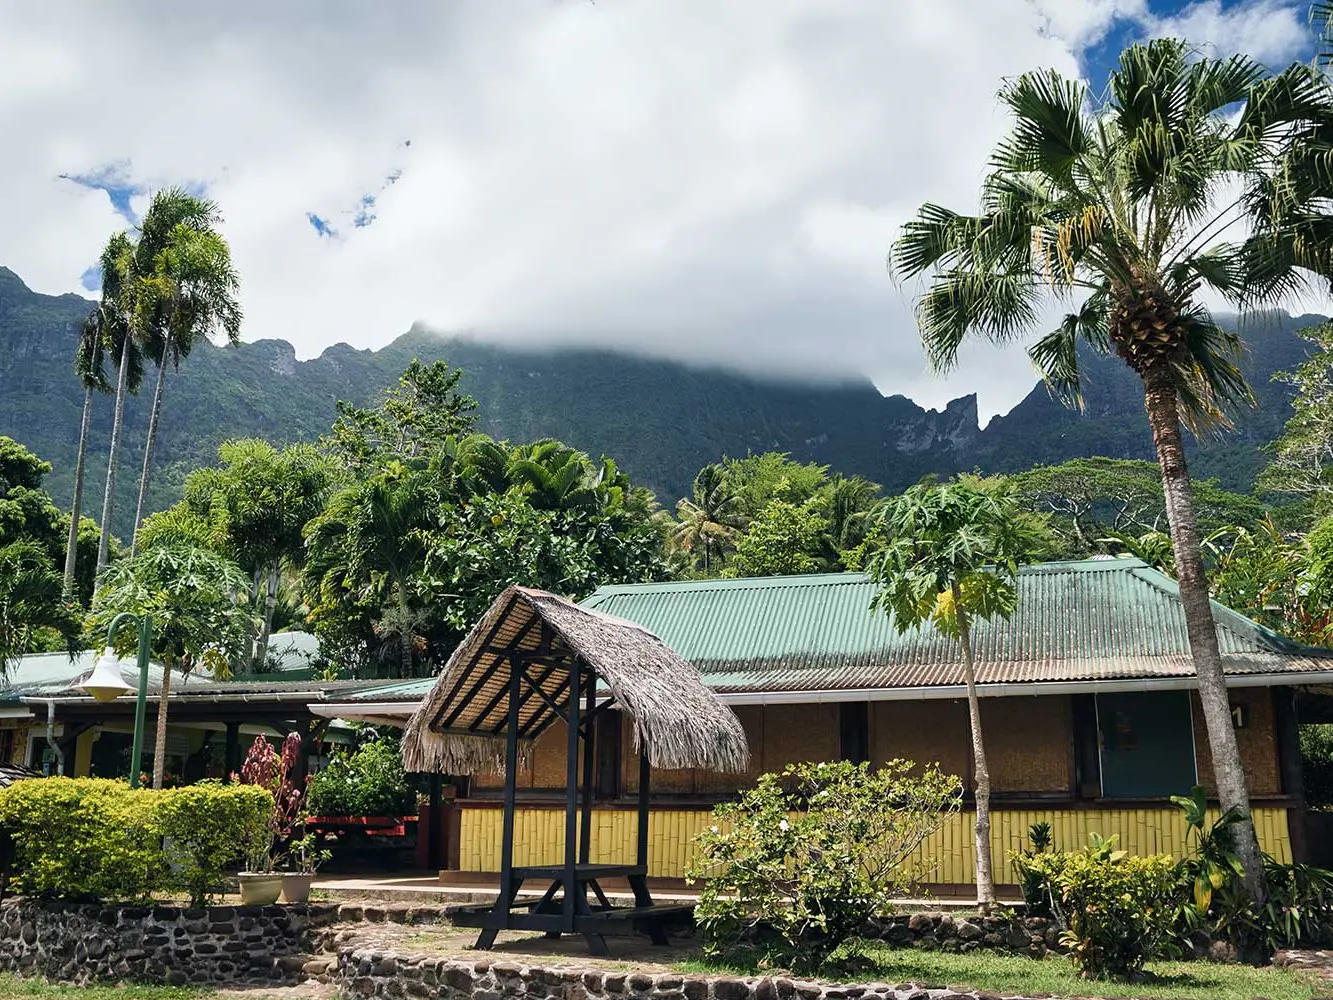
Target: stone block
[[695, 989], [640, 983], [731, 989], [969, 931]]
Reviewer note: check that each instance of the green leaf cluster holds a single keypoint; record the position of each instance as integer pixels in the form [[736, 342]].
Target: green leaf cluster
[[197, 600], [951, 551], [95, 839], [798, 863], [367, 781], [768, 515]]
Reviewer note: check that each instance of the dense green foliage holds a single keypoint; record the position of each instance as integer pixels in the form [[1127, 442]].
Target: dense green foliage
[[432, 522], [89, 838], [34, 614], [195, 597], [1117, 909], [799, 863], [207, 829], [367, 781]]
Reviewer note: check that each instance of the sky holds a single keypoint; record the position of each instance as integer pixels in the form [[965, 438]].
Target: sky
[[716, 181]]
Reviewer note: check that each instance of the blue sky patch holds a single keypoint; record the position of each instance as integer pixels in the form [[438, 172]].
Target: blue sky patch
[[321, 226], [91, 279], [114, 179]]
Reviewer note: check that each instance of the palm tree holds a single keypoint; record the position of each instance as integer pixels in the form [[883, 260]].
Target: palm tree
[[188, 292], [31, 600], [711, 522], [951, 556], [1126, 211], [117, 265], [187, 589], [371, 541], [102, 331]]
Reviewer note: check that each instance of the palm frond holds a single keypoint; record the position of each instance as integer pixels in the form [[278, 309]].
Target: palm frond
[[999, 306]]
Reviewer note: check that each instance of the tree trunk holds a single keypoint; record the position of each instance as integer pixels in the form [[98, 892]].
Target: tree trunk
[[404, 632], [1161, 402], [104, 540], [72, 545], [148, 445], [270, 602], [985, 875], [160, 745]]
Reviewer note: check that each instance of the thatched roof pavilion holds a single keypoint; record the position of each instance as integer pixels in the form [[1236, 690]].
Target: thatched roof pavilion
[[461, 725], [535, 658]]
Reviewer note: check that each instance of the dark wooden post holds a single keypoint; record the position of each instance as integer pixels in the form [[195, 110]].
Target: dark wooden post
[[1289, 766], [511, 784], [571, 796], [232, 751], [589, 750], [642, 860]]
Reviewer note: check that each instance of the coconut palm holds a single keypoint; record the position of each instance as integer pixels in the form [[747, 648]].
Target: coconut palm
[[187, 292], [102, 332], [710, 522], [1131, 211]]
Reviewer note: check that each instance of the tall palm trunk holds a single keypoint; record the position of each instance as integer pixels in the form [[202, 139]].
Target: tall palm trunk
[[270, 603], [160, 744], [985, 875], [104, 541], [404, 632], [72, 544], [148, 446], [1161, 402]]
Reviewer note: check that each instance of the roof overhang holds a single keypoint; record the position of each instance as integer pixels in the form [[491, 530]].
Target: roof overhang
[[396, 713]]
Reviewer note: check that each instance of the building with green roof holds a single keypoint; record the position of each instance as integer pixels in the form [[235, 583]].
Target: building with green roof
[[1088, 707]]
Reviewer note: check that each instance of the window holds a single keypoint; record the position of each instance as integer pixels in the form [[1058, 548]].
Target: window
[[1147, 744], [854, 731]]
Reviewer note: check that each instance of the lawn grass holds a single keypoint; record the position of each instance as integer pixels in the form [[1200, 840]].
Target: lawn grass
[[40, 989], [1011, 974]]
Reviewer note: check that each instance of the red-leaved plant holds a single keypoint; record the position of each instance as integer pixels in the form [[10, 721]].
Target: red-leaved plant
[[270, 770]]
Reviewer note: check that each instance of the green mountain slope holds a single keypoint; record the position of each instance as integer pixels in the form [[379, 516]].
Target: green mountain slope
[[661, 420]]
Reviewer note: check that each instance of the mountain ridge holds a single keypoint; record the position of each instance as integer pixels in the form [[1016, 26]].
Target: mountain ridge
[[660, 419]]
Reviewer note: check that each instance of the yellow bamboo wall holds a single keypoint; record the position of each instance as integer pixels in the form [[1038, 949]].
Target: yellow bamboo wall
[[539, 837]]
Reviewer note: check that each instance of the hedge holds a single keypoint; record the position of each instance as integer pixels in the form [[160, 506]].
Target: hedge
[[96, 839]]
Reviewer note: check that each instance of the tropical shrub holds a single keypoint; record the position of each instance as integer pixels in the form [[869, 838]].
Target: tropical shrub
[[369, 781], [1031, 880], [1317, 764], [84, 838], [797, 864], [1298, 911], [96, 839], [268, 769], [207, 829], [1117, 911]]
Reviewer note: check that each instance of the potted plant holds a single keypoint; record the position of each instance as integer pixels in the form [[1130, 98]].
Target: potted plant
[[265, 767], [304, 860]]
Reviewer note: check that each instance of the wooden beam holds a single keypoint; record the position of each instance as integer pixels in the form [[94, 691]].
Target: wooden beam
[[489, 672], [453, 693]]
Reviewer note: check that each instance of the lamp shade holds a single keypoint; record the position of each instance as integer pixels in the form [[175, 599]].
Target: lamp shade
[[105, 682]]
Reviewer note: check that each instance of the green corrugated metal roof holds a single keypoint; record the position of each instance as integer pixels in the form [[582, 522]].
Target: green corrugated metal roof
[[393, 691], [1097, 619]]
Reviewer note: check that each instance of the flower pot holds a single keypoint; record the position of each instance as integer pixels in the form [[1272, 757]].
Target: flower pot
[[260, 888], [296, 886]]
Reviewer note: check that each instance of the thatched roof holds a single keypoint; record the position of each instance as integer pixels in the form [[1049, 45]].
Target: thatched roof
[[461, 726]]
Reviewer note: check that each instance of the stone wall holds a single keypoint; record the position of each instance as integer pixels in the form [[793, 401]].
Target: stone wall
[[1032, 936], [375, 974], [82, 943]]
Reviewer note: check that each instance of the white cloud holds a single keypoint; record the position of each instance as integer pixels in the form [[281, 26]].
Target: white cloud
[[710, 181], [1272, 31]]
